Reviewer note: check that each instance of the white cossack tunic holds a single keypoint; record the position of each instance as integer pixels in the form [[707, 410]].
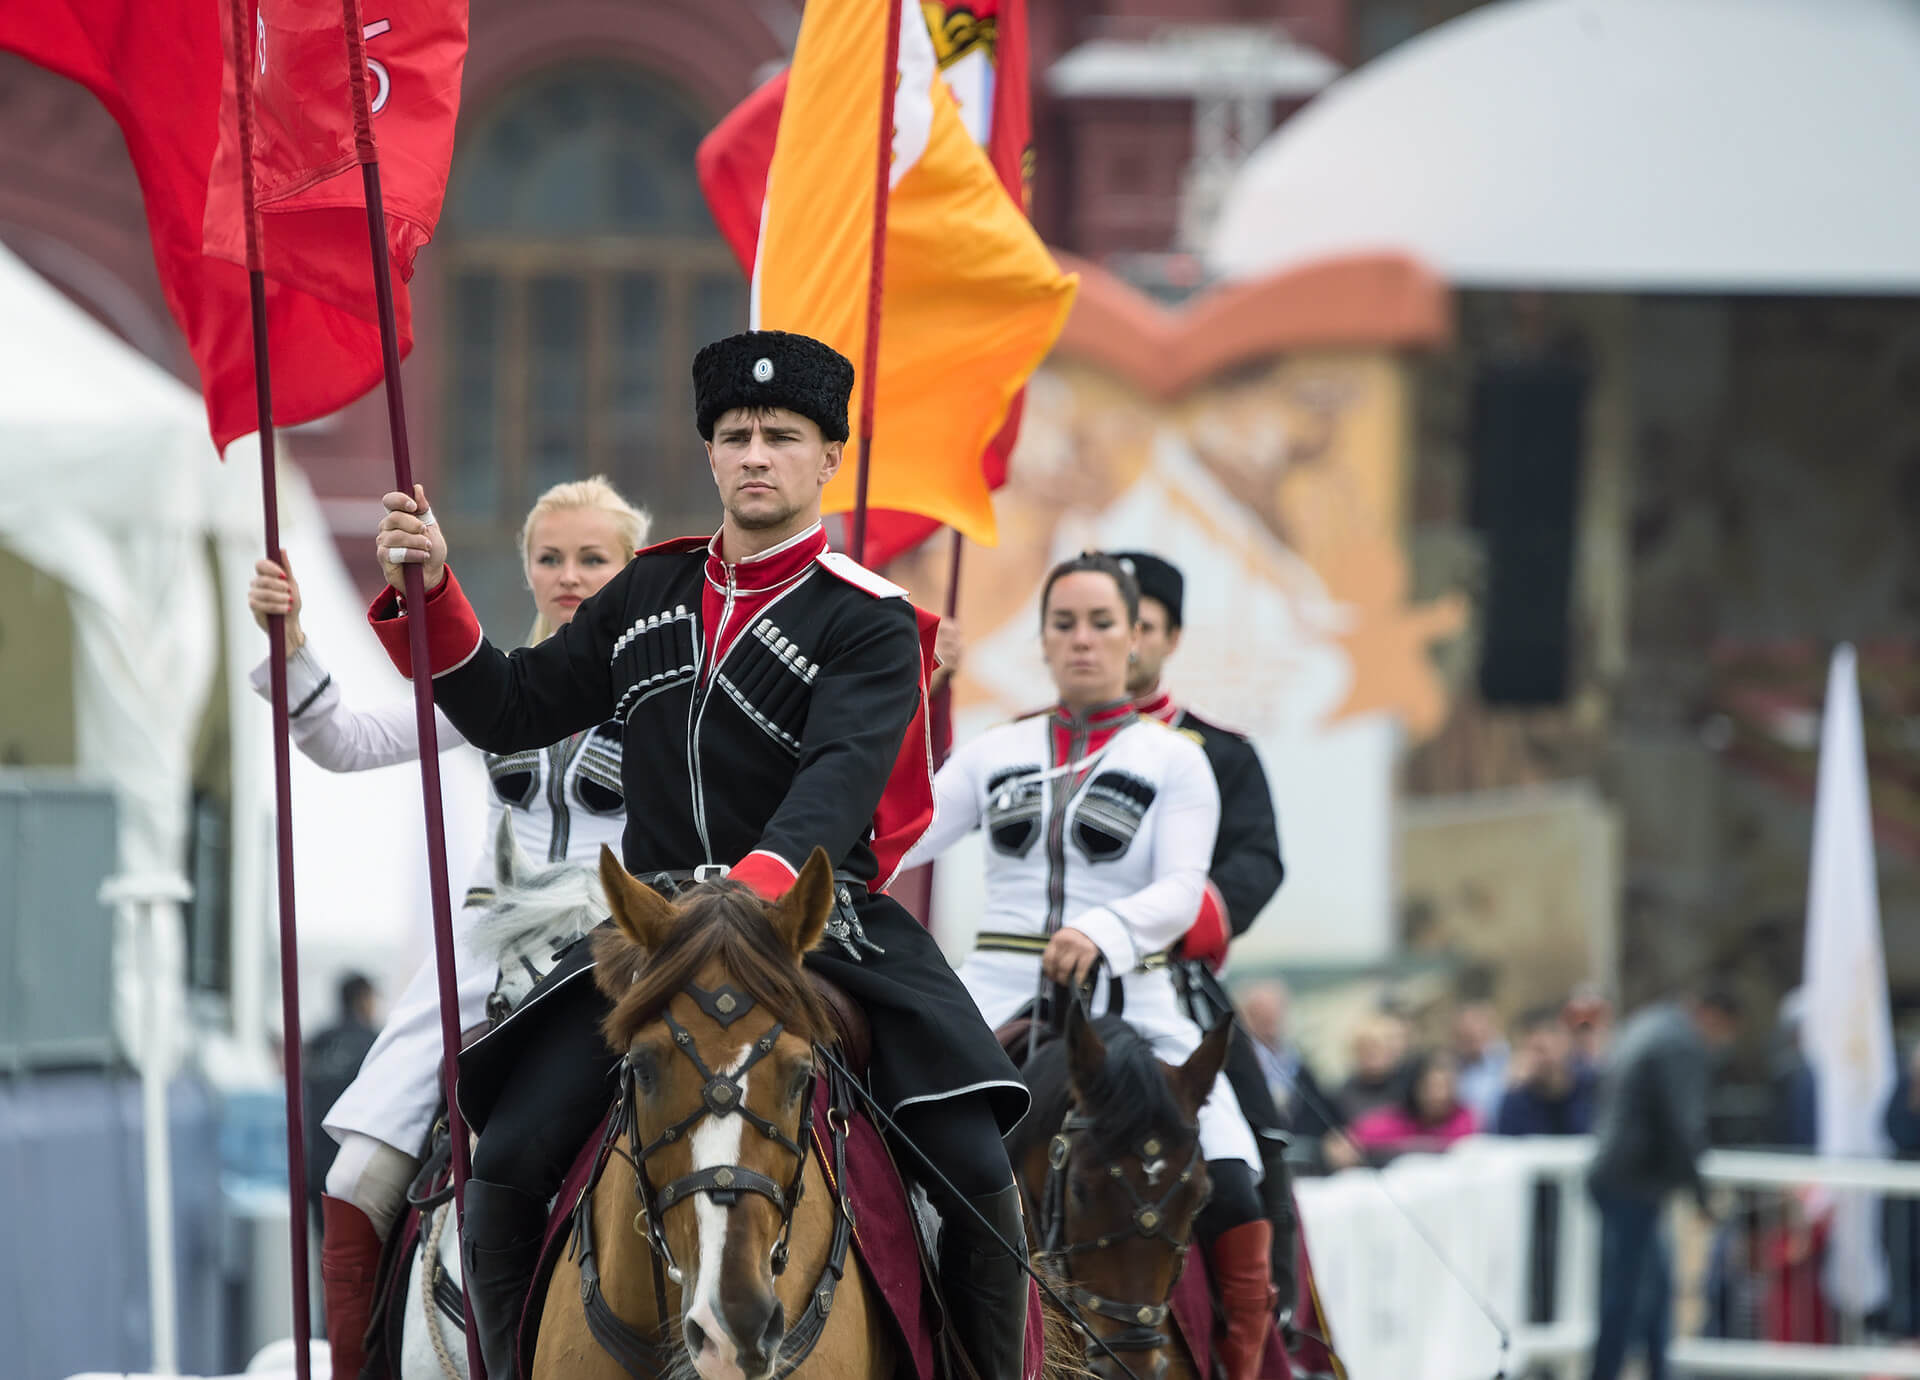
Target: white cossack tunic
[[1103, 823]]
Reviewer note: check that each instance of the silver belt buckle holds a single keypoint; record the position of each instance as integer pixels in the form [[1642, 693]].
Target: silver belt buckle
[[710, 872]]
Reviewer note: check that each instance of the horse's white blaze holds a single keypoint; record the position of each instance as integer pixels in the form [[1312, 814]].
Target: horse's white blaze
[[716, 1141]]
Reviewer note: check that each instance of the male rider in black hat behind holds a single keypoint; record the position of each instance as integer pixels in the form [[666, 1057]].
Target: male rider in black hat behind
[[772, 695], [1246, 870], [1245, 874]]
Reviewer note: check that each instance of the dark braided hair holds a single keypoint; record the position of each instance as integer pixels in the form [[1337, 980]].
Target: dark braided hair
[[1098, 562]]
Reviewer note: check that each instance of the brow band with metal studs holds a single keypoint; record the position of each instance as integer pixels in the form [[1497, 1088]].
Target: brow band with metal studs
[[724, 1005]]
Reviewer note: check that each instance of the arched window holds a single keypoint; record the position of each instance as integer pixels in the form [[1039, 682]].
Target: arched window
[[583, 272]]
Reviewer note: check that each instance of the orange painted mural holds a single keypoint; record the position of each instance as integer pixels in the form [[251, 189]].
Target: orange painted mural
[[1263, 451]]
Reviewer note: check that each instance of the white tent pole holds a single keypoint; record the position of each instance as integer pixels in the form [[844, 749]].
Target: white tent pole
[[159, 1161], [151, 901]]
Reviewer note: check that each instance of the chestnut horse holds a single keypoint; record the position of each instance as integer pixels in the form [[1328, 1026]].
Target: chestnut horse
[[713, 1233], [1110, 1162]]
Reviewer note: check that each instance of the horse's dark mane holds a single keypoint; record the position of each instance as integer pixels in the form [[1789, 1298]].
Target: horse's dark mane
[[721, 921], [1128, 1100]]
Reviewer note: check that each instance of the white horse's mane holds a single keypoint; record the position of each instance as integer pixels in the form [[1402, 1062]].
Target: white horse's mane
[[535, 902]]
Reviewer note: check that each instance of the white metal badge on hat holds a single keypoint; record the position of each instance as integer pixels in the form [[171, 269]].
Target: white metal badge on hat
[[763, 370]]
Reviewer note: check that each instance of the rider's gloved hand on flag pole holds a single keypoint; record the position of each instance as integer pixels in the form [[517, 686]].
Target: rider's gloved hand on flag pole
[[409, 534]]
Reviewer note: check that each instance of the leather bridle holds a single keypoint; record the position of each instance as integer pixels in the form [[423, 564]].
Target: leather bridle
[[721, 1095], [1144, 1323]]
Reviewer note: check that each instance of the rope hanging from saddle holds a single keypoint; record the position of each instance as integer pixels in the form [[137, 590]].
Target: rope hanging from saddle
[[722, 1095], [1145, 1323]]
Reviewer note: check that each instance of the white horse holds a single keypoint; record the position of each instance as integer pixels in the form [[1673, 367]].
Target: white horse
[[433, 1342], [537, 910]]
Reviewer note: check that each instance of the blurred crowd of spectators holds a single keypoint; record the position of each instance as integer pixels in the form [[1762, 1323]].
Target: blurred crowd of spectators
[[1643, 1093], [1400, 1095]]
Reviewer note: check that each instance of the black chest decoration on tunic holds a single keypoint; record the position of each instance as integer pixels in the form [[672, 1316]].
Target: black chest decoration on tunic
[[771, 681], [1015, 799], [659, 652], [1109, 814]]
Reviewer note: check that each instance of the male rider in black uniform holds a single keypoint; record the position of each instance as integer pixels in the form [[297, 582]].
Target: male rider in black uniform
[[1246, 870], [767, 686]]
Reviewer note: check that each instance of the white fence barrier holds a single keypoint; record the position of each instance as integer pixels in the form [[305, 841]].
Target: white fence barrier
[[1517, 1237]]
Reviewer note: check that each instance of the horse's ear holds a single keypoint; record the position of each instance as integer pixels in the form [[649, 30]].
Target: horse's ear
[[509, 863], [643, 914], [1193, 1080], [1086, 1051], [800, 916]]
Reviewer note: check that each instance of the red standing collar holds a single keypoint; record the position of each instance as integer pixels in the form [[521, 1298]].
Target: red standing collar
[[1094, 729], [1159, 705], [769, 569]]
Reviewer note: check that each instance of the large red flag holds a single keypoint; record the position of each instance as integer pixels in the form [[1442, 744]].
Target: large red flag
[[981, 49], [164, 70]]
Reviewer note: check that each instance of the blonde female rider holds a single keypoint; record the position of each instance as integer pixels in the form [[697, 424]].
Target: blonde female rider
[[564, 802]]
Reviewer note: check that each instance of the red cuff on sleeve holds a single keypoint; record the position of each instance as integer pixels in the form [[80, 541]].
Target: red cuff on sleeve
[[766, 873], [453, 632], [1208, 938]]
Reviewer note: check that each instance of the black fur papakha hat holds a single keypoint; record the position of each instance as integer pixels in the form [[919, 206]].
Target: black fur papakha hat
[[1158, 579], [772, 369]]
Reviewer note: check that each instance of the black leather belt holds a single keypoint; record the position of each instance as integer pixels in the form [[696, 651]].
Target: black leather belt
[[671, 881]]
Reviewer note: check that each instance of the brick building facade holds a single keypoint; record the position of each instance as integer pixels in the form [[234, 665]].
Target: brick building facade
[[575, 269]]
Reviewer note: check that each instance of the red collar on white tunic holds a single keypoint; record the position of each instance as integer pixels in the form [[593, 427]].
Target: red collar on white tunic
[[1079, 735], [1103, 716]]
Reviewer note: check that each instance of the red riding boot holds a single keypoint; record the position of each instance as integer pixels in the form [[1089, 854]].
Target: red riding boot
[[349, 1262], [1242, 1264]]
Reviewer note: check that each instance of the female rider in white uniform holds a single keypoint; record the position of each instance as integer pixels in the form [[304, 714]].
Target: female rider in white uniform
[[564, 802], [1100, 828]]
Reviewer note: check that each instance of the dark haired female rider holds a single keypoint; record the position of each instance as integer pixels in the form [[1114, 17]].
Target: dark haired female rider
[[1100, 824]]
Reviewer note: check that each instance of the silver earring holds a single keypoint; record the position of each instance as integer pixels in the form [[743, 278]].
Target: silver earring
[[1133, 658]]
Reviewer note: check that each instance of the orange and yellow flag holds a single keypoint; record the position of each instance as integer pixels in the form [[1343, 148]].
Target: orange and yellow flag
[[972, 301]]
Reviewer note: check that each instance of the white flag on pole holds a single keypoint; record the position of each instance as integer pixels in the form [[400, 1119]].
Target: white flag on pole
[[1847, 1032]]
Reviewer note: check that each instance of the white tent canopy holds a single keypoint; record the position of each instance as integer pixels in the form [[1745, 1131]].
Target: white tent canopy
[[1678, 145], [109, 484]]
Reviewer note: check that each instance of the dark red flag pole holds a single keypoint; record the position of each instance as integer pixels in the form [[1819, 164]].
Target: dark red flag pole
[[940, 731], [940, 712], [870, 360], [277, 683], [953, 574], [415, 577]]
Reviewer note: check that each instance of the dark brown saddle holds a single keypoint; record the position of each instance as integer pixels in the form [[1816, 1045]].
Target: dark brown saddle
[[851, 1031]]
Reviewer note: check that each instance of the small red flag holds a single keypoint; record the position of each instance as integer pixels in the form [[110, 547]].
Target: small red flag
[[982, 50], [164, 70], [307, 180]]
